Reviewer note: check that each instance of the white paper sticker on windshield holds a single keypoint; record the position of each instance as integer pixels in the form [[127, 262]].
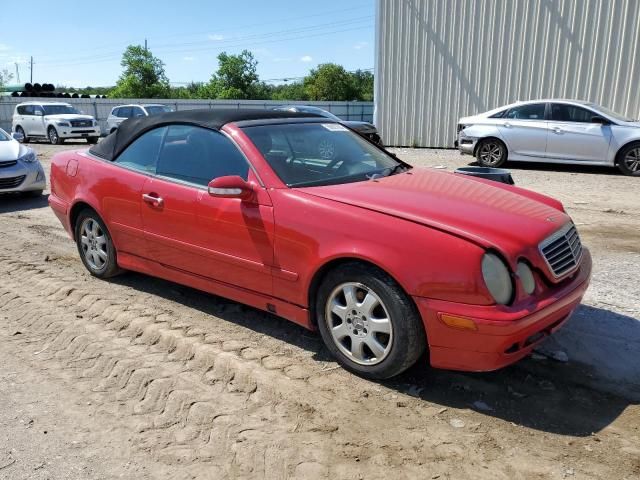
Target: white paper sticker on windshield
[[334, 127]]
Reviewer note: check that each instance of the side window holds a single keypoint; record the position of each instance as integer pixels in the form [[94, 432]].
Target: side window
[[142, 154], [115, 112], [533, 111], [570, 113], [136, 112], [29, 110], [198, 155], [20, 110], [499, 114], [124, 112]]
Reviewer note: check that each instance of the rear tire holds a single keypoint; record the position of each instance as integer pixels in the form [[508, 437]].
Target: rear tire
[[629, 160], [95, 245], [491, 153], [25, 139], [384, 337]]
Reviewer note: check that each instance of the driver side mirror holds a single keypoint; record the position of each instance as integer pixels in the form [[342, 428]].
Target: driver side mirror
[[231, 186], [600, 120]]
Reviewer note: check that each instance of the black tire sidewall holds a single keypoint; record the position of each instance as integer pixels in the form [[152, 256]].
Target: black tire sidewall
[[622, 166], [111, 268], [57, 142], [408, 340], [25, 139], [503, 148]]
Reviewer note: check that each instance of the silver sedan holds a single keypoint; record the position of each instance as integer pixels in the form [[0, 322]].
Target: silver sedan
[[20, 170], [554, 131]]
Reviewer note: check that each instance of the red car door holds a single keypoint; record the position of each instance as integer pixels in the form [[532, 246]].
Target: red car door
[[225, 239], [119, 185]]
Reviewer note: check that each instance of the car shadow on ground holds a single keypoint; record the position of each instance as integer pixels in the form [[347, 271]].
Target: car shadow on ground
[[16, 202], [541, 394]]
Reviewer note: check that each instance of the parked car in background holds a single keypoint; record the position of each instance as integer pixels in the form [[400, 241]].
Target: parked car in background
[[20, 170], [120, 113], [365, 129], [385, 260], [554, 131], [53, 121]]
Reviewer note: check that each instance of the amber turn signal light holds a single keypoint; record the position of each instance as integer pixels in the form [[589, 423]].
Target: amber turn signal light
[[458, 322]]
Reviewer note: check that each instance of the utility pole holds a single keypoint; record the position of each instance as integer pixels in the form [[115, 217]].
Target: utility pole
[[145, 44], [31, 69]]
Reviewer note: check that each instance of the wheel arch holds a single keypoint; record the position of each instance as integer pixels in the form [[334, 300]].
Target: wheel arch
[[74, 212], [334, 263], [489, 137], [616, 158]]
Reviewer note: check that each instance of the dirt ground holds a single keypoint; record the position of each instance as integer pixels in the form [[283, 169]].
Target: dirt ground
[[139, 378]]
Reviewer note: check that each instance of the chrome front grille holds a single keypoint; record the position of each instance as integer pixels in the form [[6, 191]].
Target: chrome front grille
[[80, 123], [11, 182], [562, 251]]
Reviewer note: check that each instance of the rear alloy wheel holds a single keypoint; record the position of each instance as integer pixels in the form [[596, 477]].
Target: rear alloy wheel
[[54, 138], [491, 153], [95, 246], [367, 322], [629, 160]]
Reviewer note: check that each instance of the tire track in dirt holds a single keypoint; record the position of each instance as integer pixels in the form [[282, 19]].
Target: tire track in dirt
[[223, 408]]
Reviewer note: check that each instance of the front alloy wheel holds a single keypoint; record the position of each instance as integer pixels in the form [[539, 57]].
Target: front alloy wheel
[[367, 322], [629, 161], [359, 323], [54, 138], [491, 153]]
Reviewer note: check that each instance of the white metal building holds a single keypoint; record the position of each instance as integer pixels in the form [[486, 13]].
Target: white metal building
[[438, 60]]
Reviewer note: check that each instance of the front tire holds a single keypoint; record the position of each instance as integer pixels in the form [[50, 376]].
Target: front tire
[[367, 322], [629, 160], [92, 140], [491, 153], [95, 245], [53, 136]]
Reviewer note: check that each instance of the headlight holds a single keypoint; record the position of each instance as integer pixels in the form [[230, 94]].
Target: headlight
[[497, 278], [29, 157], [526, 278], [62, 123]]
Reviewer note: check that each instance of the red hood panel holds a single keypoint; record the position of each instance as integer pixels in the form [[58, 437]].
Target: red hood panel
[[489, 215]]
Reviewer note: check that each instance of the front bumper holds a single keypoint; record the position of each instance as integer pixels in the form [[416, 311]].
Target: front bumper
[[466, 145], [78, 132], [504, 335], [22, 177]]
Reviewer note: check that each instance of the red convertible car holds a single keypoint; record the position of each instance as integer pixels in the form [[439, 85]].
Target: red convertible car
[[300, 216]]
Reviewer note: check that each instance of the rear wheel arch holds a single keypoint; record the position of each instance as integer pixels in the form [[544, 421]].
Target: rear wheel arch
[[74, 212]]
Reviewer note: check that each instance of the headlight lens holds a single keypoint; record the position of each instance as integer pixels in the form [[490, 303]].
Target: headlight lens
[[526, 278], [29, 157], [497, 278], [63, 124]]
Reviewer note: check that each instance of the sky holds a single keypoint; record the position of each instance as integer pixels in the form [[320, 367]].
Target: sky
[[79, 44]]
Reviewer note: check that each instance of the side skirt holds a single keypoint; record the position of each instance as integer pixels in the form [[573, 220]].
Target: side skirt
[[291, 312]]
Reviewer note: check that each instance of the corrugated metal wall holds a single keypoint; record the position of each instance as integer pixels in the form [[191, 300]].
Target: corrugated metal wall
[[100, 108], [438, 60]]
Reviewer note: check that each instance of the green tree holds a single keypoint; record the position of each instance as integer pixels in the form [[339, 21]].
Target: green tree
[[329, 82], [143, 75], [236, 77], [5, 77], [363, 85], [292, 91]]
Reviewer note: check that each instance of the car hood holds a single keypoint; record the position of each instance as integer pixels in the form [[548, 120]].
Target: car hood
[[69, 116], [491, 214], [364, 127], [11, 150]]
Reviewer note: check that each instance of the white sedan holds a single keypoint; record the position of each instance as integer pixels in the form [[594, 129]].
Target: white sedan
[[554, 131], [20, 170]]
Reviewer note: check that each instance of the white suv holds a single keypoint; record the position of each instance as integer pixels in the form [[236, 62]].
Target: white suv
[[53, 121], [120, 113]]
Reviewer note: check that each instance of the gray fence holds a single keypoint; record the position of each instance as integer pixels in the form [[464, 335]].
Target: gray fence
[[100, 108]]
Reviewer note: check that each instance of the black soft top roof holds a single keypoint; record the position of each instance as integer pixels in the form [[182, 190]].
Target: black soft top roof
[[214, 119]]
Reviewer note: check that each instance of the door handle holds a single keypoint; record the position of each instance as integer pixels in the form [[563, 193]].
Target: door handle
[[507, 124], [152, 199], [557, 130]]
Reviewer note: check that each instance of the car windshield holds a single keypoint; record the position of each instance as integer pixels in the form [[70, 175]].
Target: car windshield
[[59, 110], [4, 136], [610, 113], [313, 154], [154, 109]]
